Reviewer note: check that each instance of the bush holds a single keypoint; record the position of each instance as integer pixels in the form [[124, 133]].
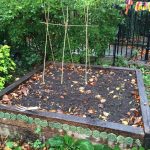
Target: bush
[[6, 65]]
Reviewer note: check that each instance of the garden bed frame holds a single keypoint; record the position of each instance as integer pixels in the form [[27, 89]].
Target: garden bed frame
[[110, 127]]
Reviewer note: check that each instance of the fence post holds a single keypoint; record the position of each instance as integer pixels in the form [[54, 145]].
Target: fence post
[[148, 47], [114, 54]]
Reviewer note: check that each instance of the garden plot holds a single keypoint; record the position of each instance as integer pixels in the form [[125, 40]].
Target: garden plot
[[108, 95], [113, 100]]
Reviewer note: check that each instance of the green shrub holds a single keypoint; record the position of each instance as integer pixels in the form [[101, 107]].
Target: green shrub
[[6, 65]]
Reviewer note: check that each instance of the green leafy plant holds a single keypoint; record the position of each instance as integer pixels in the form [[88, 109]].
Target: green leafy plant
[[96, 134], [37, 121], [87, 132], [128, 141], [103, 136], [30, 120], [13, 116], [138, 142], [38, 130], [38, 144], [7, 115], [58, 125], [120, 139], [44, 123], [2, 115], [112, 137], [7, 65], [73, 128], [66, 127]]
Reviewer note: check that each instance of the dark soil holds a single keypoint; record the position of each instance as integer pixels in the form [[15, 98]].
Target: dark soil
[[110, 95]]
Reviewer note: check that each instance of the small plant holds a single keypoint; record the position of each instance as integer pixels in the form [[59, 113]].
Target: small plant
[[80, 130], [73, 129], [96, 134], [44, 123], [103, 136], [121, 62], [52, 125], [38, 144], [19, 117], [87, 132], [13, 116], [24, 118], [1, 115], [30, 120], [58, 126], [66, 127], [38, 130], [7, 115], [37, 121], [128, 141], [138, 142], [112, 138], [120, 141]]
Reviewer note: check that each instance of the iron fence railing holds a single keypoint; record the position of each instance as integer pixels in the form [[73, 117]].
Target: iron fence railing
[[133, 36]]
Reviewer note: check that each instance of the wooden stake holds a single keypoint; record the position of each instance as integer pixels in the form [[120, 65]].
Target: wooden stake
[[66, 28], [46, 41], [86, 49]]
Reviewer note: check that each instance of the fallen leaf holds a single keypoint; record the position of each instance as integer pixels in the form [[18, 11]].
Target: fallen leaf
[[59, 111], [91, 80], [133, 81], [24, 90], [91, 111], [100, 105], [128, 113], [92, 83], [136, 113], [62, 97], [103, 100], [103, 117], [111, 92], [138, 120], [98, 97], [75, 82], [118, 88], [5, 98], [115, 96], [52, 110], [125, 121], [106, 114], [88, 92]]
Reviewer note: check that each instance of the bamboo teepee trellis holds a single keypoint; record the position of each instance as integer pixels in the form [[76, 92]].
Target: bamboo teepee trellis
[[66, 37]]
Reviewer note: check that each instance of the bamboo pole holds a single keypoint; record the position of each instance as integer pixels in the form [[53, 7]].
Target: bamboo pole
[[86, 48], [65, 36]]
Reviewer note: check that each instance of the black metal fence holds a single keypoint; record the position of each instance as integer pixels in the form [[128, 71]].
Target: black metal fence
[[133, 36]]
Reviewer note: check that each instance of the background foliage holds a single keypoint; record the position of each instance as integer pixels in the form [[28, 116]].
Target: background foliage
[[21, 26]]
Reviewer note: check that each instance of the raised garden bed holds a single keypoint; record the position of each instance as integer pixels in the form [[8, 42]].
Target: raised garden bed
[[113, 101]]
